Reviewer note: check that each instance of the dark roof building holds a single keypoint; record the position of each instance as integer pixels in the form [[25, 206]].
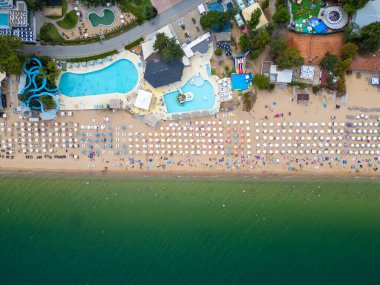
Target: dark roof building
[[160, 73]]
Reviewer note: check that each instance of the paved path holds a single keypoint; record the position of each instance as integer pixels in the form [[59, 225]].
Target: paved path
[[120, 41]]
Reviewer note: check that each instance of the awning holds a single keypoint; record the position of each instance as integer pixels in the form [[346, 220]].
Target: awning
[[143, 100], [302, 97], [201, 9]]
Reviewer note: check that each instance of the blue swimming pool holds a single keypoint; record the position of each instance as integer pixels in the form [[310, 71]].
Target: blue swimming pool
[[204, 97], [4, 18], [119, 77]]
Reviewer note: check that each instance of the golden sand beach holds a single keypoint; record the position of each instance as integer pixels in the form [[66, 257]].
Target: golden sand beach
[[278, 136]]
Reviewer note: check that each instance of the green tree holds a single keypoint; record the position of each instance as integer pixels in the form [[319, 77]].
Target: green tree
[[218, 52], [48, 101], [214, 19], [369, 40], [281, 16], [330, 62], [245, 42], [168, 48], [265, 4], [289, 59], [161, 41], [172, 51], [35, 5], [52, 72], [349, 51], [255, 19], [261, 81], [149, 12], [9, 59], [260, 39], [277, 48], [351, 6]]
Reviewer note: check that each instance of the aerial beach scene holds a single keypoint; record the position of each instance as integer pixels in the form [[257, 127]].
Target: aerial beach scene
[[189, 142]]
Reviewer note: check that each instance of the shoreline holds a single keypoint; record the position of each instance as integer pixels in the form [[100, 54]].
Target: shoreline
[[188, 174]]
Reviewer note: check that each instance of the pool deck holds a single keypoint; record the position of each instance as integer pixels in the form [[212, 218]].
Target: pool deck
[[90, 102], [197, 67]]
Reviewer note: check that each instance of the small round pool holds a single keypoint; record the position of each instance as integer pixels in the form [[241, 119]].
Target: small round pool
[[107, 19]]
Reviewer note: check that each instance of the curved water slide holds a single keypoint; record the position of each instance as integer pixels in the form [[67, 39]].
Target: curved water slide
[[38, 91]]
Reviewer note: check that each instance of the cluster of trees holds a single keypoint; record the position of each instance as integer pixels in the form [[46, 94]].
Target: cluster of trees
[[338, 66], [168, 48], [282, 15], [284, 57], [215, 19], [351, 6], [265, 4], [261, 81], [10, 59], [255, 40], [367, 38]]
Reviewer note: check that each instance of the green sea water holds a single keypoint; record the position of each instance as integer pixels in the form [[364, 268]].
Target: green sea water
[[113, 230]]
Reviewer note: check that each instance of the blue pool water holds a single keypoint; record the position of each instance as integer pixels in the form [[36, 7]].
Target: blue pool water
[[204, 97], [4, 19], [119, 77], [208, 70], [216, 7]]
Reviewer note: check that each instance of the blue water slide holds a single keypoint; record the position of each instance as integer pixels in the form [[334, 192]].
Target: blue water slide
[[38, 91]]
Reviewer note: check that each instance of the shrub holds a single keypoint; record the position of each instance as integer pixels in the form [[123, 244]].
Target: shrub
[[316, 89], [218, 52], [261, 81], [349, 51]]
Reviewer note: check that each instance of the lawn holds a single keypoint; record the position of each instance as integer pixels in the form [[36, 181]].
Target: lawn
[[305, 9], [69, 21], [49, 33], [135, 9]]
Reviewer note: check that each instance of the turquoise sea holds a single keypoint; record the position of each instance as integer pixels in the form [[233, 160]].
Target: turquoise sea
[[60, 229]]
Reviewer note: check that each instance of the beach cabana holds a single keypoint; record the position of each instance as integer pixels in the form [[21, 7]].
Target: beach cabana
[[143, 100]]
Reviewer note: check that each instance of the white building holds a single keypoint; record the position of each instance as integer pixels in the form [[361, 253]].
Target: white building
[[277, 76]]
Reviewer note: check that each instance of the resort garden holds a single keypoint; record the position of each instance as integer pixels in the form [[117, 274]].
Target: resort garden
[[91, 20]]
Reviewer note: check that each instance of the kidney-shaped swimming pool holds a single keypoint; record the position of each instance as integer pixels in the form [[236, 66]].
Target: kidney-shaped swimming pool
[[119, 77]]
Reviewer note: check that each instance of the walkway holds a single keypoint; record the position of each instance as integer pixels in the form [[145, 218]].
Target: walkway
[[118, 42]]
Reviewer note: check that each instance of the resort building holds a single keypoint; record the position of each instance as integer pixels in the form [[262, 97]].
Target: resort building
[[198, 46], [160, 73], [6, 4], [368, 14], [14, 21], [370, 62], [278, 76], [247, 14]]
